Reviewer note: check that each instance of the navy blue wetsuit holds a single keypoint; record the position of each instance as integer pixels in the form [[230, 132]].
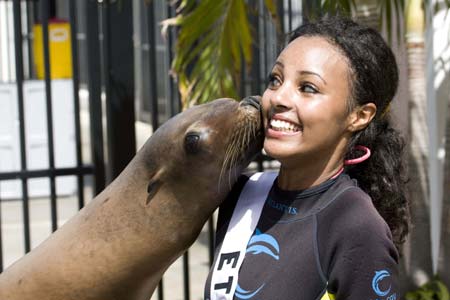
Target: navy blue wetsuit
[[325, 242]]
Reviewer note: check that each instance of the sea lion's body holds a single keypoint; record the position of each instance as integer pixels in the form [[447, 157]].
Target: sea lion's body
[[120, 244]]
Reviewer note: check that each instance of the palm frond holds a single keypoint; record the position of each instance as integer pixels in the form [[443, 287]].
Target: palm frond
[[213, 39], [272, 8], [337, 6]]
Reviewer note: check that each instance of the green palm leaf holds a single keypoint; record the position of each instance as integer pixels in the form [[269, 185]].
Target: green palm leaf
[[213, 39]]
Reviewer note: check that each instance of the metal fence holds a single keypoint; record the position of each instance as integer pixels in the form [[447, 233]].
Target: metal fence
[[120, 75], [24, 173]]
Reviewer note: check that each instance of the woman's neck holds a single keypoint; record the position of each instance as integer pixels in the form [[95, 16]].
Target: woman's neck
[[303, 176]]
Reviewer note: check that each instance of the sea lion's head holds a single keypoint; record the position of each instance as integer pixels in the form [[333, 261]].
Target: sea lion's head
[[200, 152]]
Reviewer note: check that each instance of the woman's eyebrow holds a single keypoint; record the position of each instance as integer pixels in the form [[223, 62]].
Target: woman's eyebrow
[[303, 72], [311, 73], [279, 63]]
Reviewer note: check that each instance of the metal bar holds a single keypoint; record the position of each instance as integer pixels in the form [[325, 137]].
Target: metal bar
[[76, 98], [256, 68], [266, 44], [94, 87], [118, 54], [52, 8], [173, 95], [27, 174], [106, 86], [23, 158], [280, 35], [290, 14], [211, 237], [161, 290], [35, 11], [30, 21], [259, 161], [48, 93], [152, 65], [1, 237], [153, 88], [186, 276], [256, 61]]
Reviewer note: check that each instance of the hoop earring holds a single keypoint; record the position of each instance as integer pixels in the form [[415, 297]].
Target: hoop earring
[[360, 159]]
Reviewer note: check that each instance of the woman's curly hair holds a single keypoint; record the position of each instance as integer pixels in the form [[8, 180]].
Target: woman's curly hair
[[373, 78]]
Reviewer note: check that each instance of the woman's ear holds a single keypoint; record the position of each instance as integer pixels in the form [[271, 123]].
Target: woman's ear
[[361, 116]]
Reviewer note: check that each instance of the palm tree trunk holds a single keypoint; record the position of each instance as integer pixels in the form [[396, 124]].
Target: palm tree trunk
[[443, 96], [367, 13], [417, 251], [445, 251]]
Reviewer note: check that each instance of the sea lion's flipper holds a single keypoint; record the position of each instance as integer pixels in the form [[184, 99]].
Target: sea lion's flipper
[[152, 189]]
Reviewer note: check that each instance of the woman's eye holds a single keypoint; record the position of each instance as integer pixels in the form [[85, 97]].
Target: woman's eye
[[308, 88], [273, 81]]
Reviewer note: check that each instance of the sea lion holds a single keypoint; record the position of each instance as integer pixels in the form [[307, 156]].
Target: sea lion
[[120, 244]]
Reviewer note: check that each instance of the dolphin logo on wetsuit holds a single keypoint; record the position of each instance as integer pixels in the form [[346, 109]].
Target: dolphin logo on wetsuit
[[379, 276], [259, 243]]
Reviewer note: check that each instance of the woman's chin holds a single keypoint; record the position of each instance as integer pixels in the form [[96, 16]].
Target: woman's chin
[[280, 151]]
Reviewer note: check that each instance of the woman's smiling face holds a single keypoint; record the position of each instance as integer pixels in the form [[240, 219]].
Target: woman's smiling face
[[305, 105]]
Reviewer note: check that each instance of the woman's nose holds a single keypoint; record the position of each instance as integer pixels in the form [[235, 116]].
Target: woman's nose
[[282, 97]]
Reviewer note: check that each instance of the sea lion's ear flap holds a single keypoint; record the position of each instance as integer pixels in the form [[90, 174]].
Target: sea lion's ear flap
[[152, 189]]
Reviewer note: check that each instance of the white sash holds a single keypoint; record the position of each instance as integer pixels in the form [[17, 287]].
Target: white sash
[[242, 225]]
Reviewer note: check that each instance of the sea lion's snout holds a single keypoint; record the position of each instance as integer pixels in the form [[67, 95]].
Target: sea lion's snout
[[254, 101], [251, 103], [246, 139]]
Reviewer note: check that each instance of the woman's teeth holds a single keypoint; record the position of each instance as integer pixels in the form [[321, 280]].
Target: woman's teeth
[[280, 125]]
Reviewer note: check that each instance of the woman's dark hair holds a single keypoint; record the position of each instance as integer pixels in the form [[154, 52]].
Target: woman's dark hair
[[373, 78]]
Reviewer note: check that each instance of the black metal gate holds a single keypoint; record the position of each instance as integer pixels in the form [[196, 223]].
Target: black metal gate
[[120, 65], [24, 173]]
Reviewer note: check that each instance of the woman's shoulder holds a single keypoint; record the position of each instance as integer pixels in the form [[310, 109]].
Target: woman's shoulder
[[350, 231], [352, 210]]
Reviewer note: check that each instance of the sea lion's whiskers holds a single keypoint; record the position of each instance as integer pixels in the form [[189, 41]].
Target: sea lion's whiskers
[[239, 149], [226, 162], [230, 155], [232, 151], [239, 142], [235, 151], [224, 165]]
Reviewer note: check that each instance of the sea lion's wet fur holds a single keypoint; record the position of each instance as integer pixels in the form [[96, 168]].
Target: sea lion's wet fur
[[119, 245]]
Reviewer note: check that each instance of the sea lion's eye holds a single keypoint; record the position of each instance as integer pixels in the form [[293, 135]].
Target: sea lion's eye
[[191, 143]]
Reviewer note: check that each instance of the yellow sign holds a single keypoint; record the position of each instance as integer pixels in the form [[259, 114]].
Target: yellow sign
[[60, 50]]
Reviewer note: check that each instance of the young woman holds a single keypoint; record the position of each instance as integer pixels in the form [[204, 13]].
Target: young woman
[[332, 221]]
